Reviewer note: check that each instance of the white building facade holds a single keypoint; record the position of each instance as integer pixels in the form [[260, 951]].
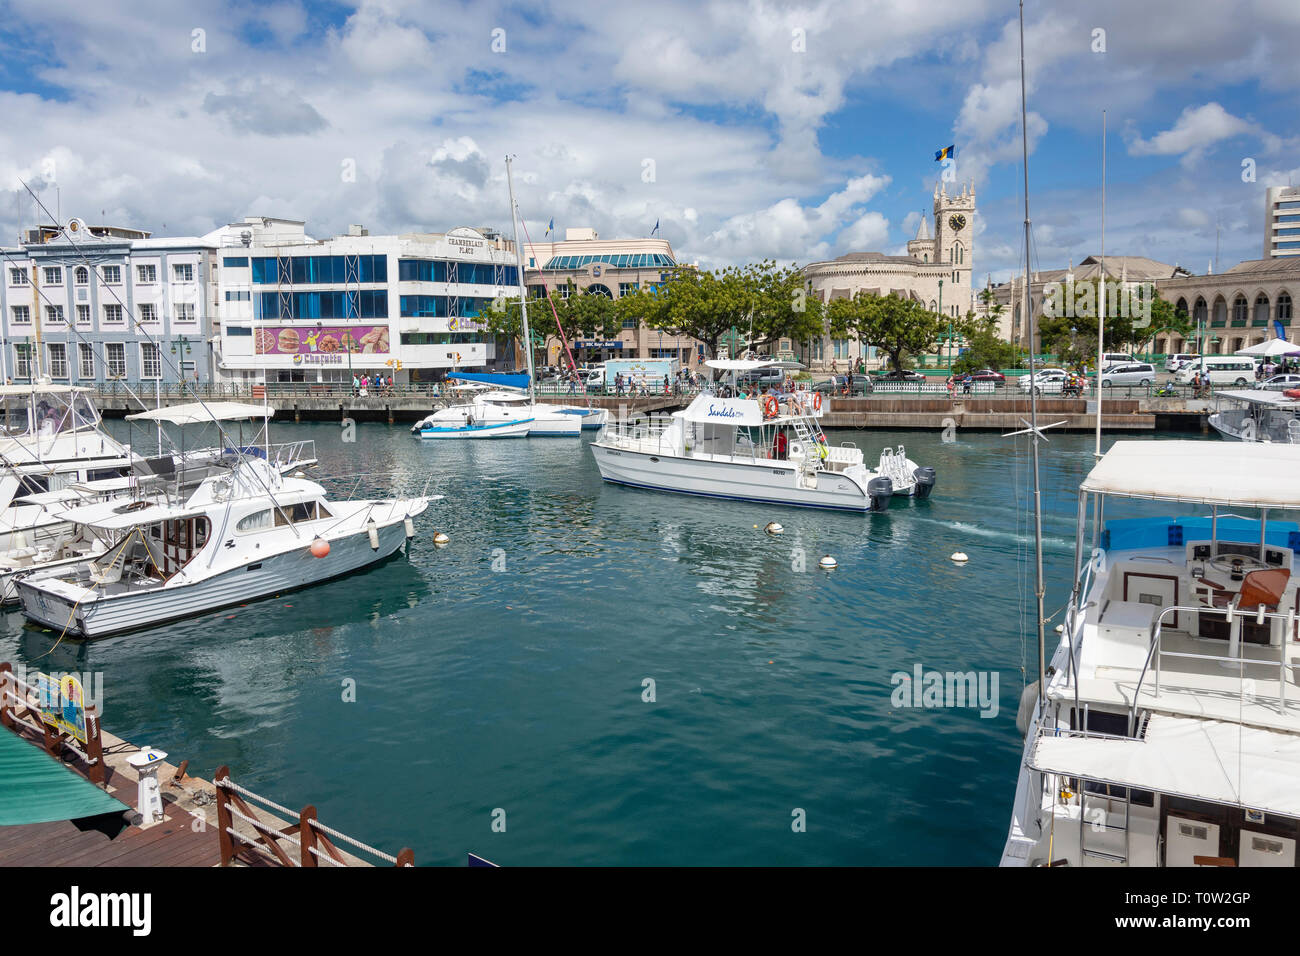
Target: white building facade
[[294, 309], [1282, 221]]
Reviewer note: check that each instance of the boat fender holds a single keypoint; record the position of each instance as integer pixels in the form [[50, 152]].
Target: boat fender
[[880, 490], [373, 533], [925, 477], [1028, 697], [410, 527]]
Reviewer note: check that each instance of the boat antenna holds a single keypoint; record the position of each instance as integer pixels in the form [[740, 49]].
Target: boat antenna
[[523, 299], [1101, 289], [1035, 434]]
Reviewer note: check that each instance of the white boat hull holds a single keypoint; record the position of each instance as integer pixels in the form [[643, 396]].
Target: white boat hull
[[515, 429], [767, 481], [114, 614]]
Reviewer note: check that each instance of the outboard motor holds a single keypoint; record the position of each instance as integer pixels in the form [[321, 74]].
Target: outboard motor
[[880, 491], [924, 482]]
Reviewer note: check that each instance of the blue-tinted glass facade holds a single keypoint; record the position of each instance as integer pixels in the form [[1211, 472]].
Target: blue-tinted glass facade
[[320, 269], [366, 304], [235, 262], [635, 260], [452, 270], [440, 306]]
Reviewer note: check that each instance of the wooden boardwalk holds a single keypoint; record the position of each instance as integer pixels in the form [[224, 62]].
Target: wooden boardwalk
[[173, 842]]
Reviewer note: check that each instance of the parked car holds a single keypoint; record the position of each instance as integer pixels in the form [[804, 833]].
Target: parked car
[[1046, 379], [1280, 383], [763, 377], [1133, 373], [906, 375], [836, 384], [989, 375]]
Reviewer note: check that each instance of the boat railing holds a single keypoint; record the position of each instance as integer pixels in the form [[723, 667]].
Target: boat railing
[[636, 432], [1157, 653]]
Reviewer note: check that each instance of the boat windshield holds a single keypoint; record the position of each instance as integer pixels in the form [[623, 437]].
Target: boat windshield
[[47, 413]]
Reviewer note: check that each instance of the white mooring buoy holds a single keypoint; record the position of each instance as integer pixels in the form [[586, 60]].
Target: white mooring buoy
[[774, 527], [959, 557], [440, 540], [827, 563]]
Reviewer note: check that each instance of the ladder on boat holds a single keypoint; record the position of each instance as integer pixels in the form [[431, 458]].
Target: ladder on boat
[[1102, 808], [809, 437]]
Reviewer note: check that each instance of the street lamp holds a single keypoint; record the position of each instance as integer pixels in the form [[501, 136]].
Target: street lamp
[[941, 313], [947, 338]]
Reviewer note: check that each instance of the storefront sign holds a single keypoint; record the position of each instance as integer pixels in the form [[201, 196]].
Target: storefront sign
[[598, 343], [323, 340]]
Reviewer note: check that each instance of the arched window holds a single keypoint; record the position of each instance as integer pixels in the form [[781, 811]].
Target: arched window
[[82, 275], [597, 289], [1261, 309], [925, 257], [1284, 306], [1201, 311], [1239, 308], [1181, 308], [1220, 315], [934, 306]]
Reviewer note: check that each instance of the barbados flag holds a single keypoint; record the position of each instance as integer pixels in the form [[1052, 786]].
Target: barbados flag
[[549, 227], [948, 152]]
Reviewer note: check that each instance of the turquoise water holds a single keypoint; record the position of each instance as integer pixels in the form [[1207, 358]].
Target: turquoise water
[[521, 688]]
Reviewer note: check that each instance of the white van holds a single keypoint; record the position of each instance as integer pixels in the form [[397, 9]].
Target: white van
[[1176, 361], [1222, 370], [1111, 359]]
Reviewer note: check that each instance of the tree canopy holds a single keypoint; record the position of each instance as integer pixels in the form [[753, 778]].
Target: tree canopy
[[1073, 338], [894, 325], [761, 301]]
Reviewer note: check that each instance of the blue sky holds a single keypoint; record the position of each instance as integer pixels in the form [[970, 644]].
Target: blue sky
[[748, 130]]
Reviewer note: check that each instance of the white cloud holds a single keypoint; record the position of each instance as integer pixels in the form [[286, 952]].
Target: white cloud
[[1196, 129]]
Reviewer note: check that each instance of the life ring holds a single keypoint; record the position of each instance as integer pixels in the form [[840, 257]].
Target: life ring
[[770, 406], [817, 401]]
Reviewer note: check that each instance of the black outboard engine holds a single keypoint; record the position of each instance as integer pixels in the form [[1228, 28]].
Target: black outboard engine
[[880, 491], [924, 482]]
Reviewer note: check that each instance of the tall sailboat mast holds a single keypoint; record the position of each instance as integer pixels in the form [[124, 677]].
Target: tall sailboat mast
[[1101, 288], [1033, 372], [523, 299]]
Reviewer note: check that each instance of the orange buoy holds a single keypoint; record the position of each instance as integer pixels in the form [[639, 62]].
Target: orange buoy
[[320, 548]]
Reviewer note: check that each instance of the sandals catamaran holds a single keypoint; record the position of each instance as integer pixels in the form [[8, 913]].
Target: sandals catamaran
[[771, 451]]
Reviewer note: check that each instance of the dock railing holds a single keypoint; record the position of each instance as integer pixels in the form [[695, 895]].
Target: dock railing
[[283, 842], [20, 711]]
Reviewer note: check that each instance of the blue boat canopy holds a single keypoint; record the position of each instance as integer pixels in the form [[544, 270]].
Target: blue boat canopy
[[493, 378]]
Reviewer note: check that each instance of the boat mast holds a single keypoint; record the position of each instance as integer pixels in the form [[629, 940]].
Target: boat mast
[[523, 299], [1033, 371], [1101, 289]]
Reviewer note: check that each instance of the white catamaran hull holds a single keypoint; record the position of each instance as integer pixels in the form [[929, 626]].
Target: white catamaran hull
[[769, 481], [100, 616]]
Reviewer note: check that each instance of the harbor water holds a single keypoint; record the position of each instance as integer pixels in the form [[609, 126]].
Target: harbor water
[[594, 675]]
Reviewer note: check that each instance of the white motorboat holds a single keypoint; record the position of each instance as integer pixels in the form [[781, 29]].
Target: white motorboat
[[1167, 732], [1256, 415], [60, 543], [241, 535], [772, 451]]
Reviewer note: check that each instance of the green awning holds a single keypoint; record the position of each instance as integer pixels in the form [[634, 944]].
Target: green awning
[[36, 788]]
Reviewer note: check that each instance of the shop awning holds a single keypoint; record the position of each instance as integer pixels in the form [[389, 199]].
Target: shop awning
[[38, 789]]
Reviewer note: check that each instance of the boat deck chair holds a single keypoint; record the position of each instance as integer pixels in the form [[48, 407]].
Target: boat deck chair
[[109, 575]]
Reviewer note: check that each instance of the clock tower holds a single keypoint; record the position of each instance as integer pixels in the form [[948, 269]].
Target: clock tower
[[954, 244]]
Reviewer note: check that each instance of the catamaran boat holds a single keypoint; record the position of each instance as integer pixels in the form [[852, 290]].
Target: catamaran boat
[[771, 450], [1257, 415], [502, 400], [239, 536], [1166, 731]]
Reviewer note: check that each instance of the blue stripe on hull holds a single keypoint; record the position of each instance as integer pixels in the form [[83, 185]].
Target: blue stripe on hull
[[761, 501]]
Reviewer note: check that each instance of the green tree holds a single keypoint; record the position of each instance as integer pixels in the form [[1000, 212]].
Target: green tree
[[762, 301], [985, 347], [1129, 324], [894, 325]]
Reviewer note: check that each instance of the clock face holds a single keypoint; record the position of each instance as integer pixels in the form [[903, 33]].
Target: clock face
[[957, 222]]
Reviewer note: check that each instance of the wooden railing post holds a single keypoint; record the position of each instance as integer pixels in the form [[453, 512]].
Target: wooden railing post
[[224, 818], [307, 834], [406, 857], [94, 747], [6, 674]]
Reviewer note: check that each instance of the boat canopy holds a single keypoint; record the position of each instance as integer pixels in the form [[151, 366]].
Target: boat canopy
[[31, 388], [500, 380], [120, 516], [193, 413], [724, 411], [1246, 474], [1188, 757], [1259, 396], [741, 365]]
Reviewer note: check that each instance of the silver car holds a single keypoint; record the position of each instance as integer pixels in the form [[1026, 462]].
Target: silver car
[[1132, 373]]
